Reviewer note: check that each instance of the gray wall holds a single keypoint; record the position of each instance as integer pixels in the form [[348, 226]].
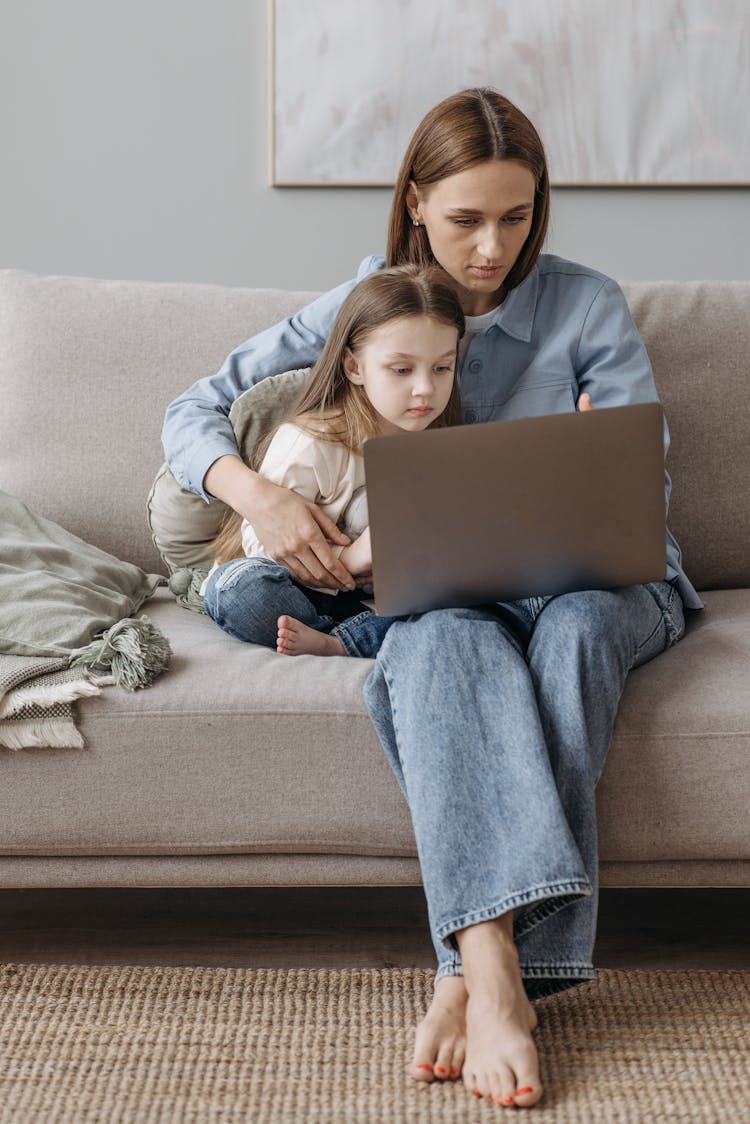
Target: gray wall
[[134, 144]]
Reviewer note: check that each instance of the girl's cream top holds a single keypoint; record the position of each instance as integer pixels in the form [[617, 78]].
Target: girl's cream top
[[327, 473]]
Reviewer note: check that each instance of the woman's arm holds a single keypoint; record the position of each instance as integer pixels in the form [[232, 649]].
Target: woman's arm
[[196, 431], [298, 473], [613, 368], [611, 363]]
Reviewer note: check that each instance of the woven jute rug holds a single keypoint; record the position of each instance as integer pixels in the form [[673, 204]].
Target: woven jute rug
[[148, 1045]]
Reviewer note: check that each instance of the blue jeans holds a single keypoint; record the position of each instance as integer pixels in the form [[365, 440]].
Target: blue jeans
[[246, 596], [497, 722]]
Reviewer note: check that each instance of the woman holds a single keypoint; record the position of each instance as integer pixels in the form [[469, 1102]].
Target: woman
[[496, 721]]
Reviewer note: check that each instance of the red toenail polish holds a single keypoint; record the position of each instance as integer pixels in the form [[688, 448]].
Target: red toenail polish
[[508, 1100], [526, 1089], [477, 1093], [454, 1073], [499, 1100], [440, 1069], [424, 1065]]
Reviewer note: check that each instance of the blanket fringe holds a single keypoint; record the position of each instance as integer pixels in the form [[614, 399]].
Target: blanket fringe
[[23, 697], [186, 584], [32, 734], [134, 651]]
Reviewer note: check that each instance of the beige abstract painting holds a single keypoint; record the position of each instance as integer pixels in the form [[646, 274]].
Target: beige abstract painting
[[625, 92]]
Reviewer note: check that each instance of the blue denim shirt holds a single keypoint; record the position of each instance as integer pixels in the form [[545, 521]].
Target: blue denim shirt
[[564, 331]]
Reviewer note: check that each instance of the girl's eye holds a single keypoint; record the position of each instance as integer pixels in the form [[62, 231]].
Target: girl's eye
[[444, 370], [465, 222], [514, 219], [400, 370]]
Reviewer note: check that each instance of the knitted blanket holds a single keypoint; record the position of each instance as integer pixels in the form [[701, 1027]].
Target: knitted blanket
[[66, 628]]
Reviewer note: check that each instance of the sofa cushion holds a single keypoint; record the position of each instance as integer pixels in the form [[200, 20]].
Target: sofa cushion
[[87, 369], [237, 750], [697, 334], [182, 524]]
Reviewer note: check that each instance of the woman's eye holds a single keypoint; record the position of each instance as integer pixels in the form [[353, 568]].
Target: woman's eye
[[514, 219], [400, 370], [464, 222], [444, 370]]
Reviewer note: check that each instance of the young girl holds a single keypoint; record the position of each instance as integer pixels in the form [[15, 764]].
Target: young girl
[[388, 365]]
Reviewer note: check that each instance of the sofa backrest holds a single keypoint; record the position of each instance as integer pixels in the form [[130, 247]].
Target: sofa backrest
[[697, 334], [87, 368]]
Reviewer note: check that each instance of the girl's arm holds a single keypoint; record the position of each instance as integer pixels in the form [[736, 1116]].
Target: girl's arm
[[196, 431], [358, 557]]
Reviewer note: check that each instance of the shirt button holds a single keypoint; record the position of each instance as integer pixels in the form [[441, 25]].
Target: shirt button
[[475, 366], [470, 416]]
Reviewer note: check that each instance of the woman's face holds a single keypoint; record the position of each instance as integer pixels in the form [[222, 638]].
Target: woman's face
[[477, 222]]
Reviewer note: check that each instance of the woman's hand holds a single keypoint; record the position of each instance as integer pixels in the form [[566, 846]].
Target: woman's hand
[[358, 557], [584, 403], [297, 534], [293, 530]]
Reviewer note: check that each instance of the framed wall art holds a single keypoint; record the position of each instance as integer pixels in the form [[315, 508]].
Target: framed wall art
[[639, 92]]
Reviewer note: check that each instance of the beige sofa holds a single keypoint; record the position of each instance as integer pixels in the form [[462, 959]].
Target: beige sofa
[[240, 767]]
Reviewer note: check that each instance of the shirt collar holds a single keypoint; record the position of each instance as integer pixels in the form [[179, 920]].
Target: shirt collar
[[515, 316]]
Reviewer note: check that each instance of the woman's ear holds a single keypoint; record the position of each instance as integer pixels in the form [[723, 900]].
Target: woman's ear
[[412, 203], [351, 367]]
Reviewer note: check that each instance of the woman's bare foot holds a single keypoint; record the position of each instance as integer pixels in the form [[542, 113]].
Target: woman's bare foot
[[501, 1056], [296, 639], [440, 1042]]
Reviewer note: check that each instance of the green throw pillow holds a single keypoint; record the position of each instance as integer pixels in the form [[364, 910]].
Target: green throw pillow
[[182, 524], [58, 592]]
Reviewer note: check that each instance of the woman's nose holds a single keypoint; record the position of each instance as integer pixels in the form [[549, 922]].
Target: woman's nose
[[489, 244]]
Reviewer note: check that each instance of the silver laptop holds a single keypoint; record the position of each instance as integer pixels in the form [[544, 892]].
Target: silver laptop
[[509, 509]]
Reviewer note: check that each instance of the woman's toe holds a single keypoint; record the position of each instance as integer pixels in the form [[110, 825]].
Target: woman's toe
[[422, 1071], [502, 1086], [527, 1092], [457, 1062]]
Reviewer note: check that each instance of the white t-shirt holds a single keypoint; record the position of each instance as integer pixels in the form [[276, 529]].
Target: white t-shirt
[[475, 325]]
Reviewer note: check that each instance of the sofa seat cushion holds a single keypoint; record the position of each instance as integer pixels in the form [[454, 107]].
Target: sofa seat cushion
[[239, 750], [676, 782]]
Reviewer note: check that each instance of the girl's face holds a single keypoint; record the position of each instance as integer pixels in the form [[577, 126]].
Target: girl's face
[[477, 222], [407, 368]]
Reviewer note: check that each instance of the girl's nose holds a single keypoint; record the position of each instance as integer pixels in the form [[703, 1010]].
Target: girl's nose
[[423, 384]]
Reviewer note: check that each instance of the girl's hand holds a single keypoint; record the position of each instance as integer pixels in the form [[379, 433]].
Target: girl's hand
[[358, 557], [297, 534], [584, 403]]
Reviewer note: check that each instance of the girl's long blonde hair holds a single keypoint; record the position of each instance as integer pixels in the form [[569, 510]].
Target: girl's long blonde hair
[[334, 408]]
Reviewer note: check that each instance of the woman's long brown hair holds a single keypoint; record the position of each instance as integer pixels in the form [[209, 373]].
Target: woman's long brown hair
[[334, 408], [468, 128]]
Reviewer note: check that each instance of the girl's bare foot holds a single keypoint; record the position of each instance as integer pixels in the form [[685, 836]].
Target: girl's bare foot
[[296, 639], [501, 1057], [440, 1042]]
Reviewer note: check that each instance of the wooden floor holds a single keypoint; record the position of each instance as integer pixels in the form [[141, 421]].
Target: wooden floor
[[340, 927]]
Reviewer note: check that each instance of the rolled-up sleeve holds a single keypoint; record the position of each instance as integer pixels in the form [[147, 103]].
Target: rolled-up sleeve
[[196, 429], [611, 361]]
